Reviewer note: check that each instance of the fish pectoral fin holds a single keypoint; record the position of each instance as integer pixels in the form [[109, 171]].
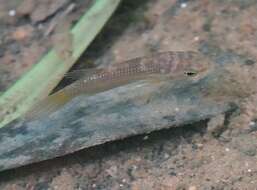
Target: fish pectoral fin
[[156, 79]]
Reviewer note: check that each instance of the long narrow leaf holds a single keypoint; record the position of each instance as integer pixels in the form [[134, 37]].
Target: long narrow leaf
[[45, 75]]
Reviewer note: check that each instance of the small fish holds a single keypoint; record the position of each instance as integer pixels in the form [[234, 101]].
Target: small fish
[[160, 66]]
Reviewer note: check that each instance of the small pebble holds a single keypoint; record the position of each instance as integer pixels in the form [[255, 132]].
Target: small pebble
[[145, 138], [196, 38], [134, 167], [40, 26], [166, 155], [253, 126], [252, 123], [94, 185], [227, 149], [12, 12], [183, 5], [192, 188]]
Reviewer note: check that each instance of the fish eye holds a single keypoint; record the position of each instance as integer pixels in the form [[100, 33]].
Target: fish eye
[[190, 73]]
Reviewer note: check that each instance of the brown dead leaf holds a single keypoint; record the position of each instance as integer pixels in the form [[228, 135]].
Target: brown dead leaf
[[46, 8], [22, 33]]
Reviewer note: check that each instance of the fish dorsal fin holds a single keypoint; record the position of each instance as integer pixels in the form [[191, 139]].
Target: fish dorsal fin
[[130, 63], [83, 73]]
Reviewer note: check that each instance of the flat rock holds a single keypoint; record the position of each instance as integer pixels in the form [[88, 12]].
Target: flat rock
[[108, 116]]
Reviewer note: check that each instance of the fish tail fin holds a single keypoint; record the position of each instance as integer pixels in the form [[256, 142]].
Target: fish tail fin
[[48, 105]]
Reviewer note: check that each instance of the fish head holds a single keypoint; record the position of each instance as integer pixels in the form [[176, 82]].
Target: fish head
[[194, 64], [185, 64]]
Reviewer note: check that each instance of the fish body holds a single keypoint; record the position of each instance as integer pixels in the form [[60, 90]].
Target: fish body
[[165, 65]]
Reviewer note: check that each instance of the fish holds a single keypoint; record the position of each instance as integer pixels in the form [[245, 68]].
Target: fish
[[168, 65]]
